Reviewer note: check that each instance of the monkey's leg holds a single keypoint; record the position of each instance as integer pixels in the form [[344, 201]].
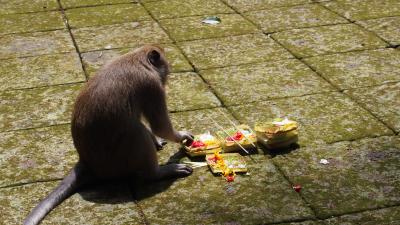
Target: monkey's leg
[[158, 142], [148, 167]]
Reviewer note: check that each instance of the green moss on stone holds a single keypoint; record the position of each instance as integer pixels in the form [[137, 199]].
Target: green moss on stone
[[360, 175], [387, 28], [39, 43], [234, 50], [362, 9], [191, 28], [108, 204], [105, 15], [381, 216], [42, 21], [308, 222], [36, 154], [79, 3], [251, 5], [181, 8], [24, 6], [264, 196], [17, 202], [328, 39], [40, 71], [201, 121], [257, 82], [286, 18], [119, 36], [323, 118], [383, 101], [187, 91], [101, 204], [94, 60], [358, 69], [38, 107]]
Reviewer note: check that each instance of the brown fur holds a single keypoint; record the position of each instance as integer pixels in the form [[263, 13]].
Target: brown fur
[[106, 126]]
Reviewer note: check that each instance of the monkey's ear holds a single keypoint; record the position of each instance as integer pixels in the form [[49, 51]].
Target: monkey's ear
[[154, 58]]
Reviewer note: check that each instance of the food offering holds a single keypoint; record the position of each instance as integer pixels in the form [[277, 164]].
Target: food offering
[[278, 133], [203, 144], [227, 164], [233, 138]]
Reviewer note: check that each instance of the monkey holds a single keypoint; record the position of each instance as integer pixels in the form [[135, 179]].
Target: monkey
[[107, 129]]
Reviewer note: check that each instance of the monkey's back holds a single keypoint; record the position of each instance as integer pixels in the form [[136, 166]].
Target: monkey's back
[[107, 112], [103, 114]]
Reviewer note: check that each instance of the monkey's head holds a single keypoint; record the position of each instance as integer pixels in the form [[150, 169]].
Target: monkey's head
[[155, 56]]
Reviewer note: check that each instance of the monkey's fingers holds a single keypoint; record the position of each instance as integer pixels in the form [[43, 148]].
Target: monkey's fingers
[[160, 142], [183, 170], [187, 137], [163, 142]]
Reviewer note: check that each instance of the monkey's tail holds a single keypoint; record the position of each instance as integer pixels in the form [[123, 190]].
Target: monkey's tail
[[65, 189]]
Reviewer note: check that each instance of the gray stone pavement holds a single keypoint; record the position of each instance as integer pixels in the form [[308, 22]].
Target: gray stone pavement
[[333, 66]]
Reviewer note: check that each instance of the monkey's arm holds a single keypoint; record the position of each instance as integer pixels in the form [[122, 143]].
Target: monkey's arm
[[156, 112], [159, 142]]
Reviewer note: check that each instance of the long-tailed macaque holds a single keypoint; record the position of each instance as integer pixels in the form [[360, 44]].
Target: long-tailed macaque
[[107, 131]]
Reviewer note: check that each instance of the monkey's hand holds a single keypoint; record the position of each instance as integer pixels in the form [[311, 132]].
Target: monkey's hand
[[159, 142], [185, 135]]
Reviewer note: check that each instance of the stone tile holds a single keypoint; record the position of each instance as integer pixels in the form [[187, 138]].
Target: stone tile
[[23, 6], [80, 3], [381, 216], [365, 9], [328, 39], [180, 8], [104, 205], [386, 28], [322, 118], [262, 197], [257, 82], [361, 175], [119, 35], [251, 5], [21, 109], [383, 101], [201, 121], [36, 154], [42, 21], [191, 28], [307, 222], [287, 18], [187, 91], [358, 69], [38, 71], [233, 50], [105, 15], [94, 60], [39, 43]]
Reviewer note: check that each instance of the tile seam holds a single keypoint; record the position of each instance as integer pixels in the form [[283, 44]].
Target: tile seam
[[65, 18], [358, 25], [335, 86], [307, 204]]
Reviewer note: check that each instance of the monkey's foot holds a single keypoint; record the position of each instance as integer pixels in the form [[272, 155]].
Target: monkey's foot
[[175, 170]]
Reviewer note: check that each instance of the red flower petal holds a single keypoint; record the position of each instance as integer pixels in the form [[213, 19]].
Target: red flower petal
[[196, 144], [297, 187]]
